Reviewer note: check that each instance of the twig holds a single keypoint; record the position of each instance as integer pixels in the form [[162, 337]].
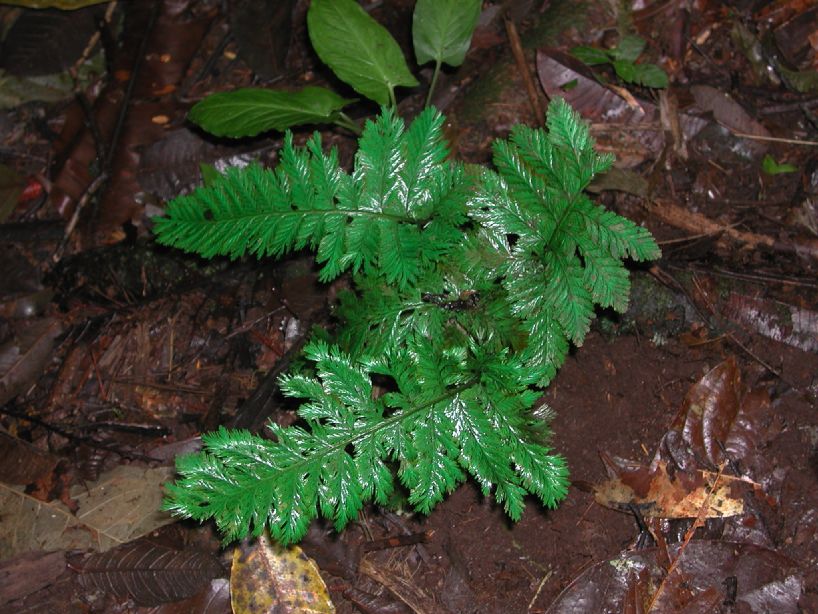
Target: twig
[[539, 588], [692, 221], [774, 139], [95, 185], [81, 438], [760, 361], [698, 522], [522, 65]]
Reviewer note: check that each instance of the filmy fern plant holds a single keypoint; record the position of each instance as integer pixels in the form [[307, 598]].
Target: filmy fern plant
[[469, 288]]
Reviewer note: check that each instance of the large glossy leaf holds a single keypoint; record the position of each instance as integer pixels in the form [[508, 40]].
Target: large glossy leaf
[[357, 49], [442, 29], [250, 111]]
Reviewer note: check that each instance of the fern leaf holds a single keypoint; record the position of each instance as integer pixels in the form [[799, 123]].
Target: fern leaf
[[398, 213], [378, 165], [425, 152], [605, 277], [620, 236], [564, 285]]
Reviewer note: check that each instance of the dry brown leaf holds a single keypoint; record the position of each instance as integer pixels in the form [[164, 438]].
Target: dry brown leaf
[[658, 494], [122, 505], [149, 573]]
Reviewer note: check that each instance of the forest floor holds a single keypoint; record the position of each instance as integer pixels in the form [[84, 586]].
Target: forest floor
[[688, 423]]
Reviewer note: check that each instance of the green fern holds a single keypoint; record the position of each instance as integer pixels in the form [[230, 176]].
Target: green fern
[[396, 214], [469, 290]]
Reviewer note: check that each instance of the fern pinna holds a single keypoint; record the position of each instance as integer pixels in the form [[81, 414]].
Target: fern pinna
[[469, 288]]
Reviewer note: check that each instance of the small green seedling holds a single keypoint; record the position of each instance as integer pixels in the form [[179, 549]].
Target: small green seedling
[[623, 59], [771, 167]]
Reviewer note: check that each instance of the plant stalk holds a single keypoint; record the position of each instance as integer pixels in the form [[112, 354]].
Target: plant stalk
[[432, 85]]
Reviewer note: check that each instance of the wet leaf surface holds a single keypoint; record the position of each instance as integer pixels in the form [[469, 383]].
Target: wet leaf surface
[[700, 583], [269, 578]]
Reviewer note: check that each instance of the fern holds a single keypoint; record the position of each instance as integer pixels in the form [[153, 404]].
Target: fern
[[396, 214], [469, 290]]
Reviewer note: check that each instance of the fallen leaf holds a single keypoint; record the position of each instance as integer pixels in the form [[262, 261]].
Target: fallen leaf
[[122, 505], [658, 494], [718, 422], [23, 358], [213, 599], [267, 577], [22, 463], [149, 573], [765, 579]]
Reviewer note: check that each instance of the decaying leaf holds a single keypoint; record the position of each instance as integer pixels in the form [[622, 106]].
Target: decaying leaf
[[24, 356], [26, 574], [213, 599], [149, 573], [21, 462], [774, 319], [717, 423], [632, 131], [656, 493], [11, 186], [267, 577], [122, 505], [765, 579]]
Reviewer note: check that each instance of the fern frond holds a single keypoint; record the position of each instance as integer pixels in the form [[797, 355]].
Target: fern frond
[[396, 215], [456, 412]]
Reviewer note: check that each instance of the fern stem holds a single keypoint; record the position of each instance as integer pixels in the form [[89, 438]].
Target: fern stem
[[345, 121], [307, 212], [432, 85]]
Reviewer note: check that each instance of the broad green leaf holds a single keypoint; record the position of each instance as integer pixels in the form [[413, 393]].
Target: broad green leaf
[[771, 167], [650, 75], [625, 70], [357, 49], [591, 55], [442, 29], [250, 111], [629, 48]]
